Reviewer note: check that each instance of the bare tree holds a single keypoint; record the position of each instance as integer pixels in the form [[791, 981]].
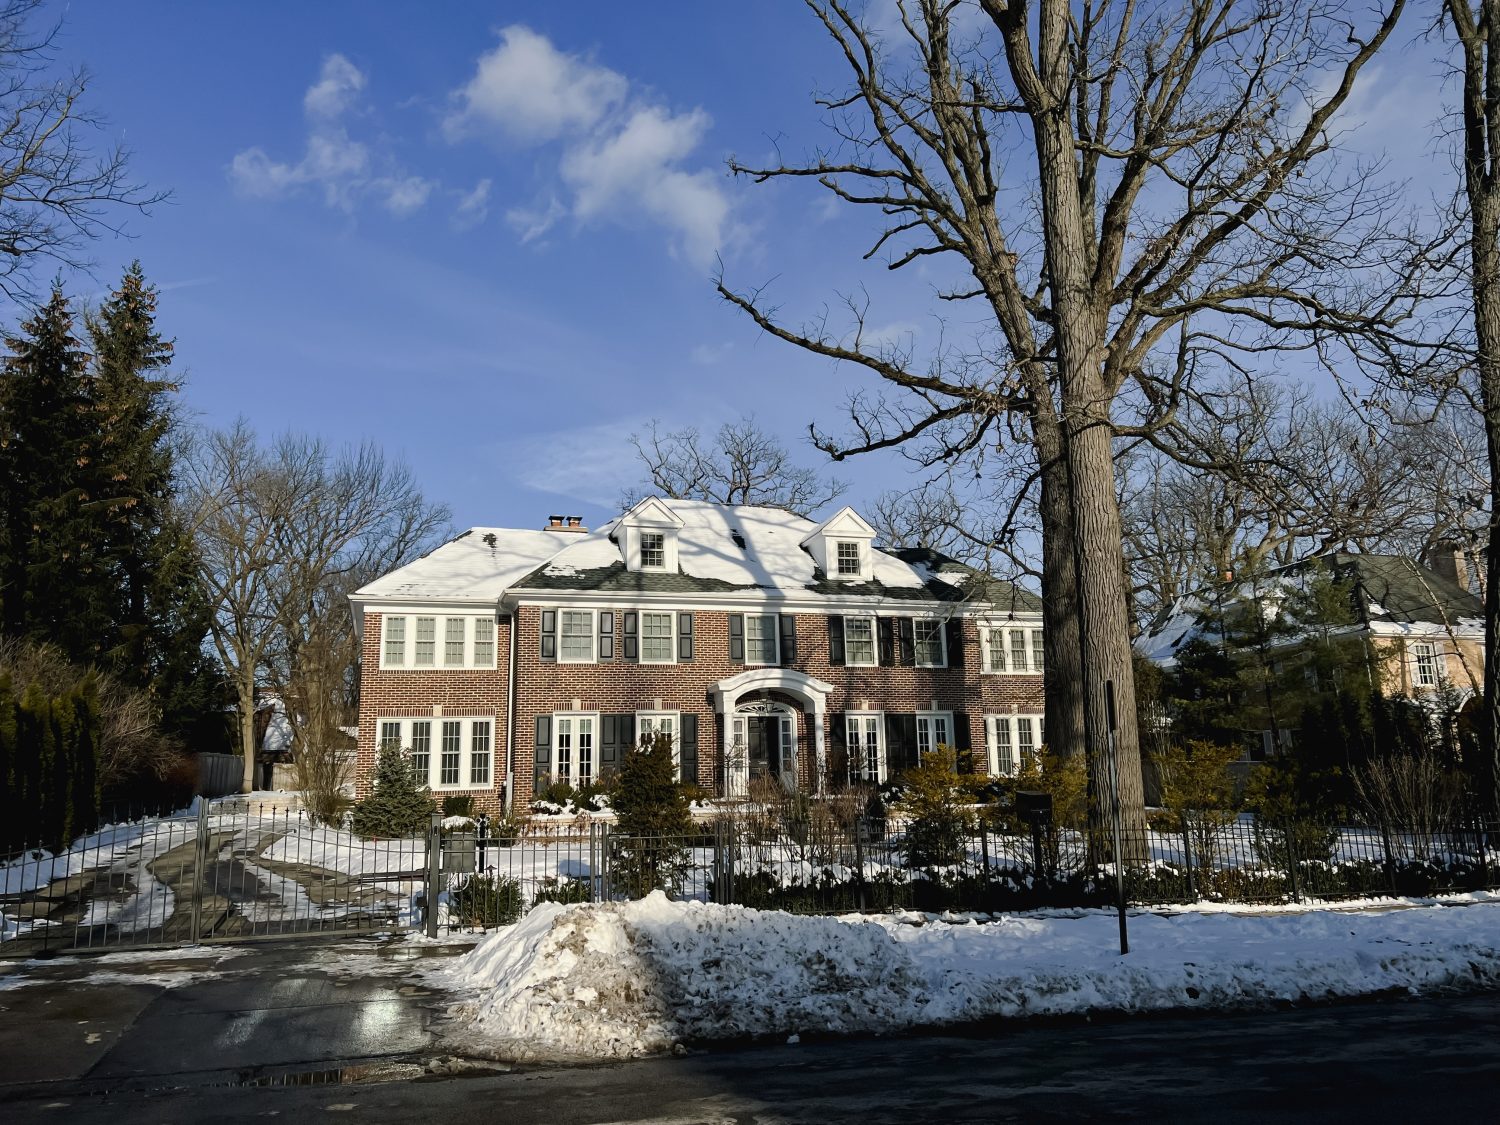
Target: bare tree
[[742, 465], [1131, 192], [283, 534], [56, 191]]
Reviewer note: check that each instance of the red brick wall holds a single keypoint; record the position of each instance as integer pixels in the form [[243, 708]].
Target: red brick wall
[[619, 686]]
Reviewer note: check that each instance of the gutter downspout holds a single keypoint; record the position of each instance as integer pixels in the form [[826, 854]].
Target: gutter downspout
[[510, 717]]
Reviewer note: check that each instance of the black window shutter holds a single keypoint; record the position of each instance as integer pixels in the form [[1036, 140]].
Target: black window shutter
[[606, 634], [543, 760], [838, 744], [687, 725], [629, 636], [684, 638], [961, 745], [885, 630], [900, 743], [609, 744], [835, 641], [906, 642], [788, 639], [737, 637], [549, 634], [955, 639]]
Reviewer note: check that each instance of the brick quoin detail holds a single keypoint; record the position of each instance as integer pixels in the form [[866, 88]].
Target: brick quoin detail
[[619, 686]]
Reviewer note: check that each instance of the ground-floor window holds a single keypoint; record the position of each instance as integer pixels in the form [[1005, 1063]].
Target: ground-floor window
[[934, 729], [573, 747], [444, 753], [660, 722], [866, 746], [1012, 742]]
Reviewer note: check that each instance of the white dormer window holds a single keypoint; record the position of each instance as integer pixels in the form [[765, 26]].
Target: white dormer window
[[848, 559], [653, 550]]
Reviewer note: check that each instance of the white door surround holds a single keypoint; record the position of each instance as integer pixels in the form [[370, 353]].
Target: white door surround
[[727, 693]]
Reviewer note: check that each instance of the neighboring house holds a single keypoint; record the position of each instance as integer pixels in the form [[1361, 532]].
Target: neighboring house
[[1423, 624], [766, 644]]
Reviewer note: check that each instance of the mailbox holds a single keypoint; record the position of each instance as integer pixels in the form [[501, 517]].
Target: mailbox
[[1034, 807], [458, 853]]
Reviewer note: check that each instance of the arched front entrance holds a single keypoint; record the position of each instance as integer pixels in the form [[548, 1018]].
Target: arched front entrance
[[760, 732]]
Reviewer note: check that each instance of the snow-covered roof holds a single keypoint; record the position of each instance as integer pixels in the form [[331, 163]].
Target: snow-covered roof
[[479, 565]]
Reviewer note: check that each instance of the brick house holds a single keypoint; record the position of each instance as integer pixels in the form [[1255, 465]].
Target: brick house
[[766, 645]]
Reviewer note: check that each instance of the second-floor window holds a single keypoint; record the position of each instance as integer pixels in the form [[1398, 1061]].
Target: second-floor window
[[760, 638], [653, 550], [658, 638], [1425, 662], [928, 638], [1010, 649], [575, 636], [438, 641], [859, 641]]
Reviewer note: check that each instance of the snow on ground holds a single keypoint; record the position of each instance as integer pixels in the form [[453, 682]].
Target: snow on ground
[[614, 980]]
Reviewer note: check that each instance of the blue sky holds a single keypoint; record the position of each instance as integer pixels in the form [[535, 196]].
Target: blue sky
[[485, 239]]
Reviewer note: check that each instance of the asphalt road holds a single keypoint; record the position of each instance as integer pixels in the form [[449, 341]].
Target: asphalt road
[[1392, 1060]]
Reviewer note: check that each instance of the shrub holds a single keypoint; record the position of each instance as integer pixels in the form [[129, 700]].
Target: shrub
[[553, 889], [1199, 791], [486, 901], [398, 806], [459, 804], [652, 818], [935, 802]]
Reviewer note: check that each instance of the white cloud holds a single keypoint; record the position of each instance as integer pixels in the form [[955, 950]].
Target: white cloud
[[530, 90], [342, 168], [710, 354], [588, 462], [620, 158], [473, 206]]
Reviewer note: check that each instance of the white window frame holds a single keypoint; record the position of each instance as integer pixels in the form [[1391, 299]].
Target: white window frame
[[839, 560], [591, 633], [470, 623], [575, 732], [874, 642], [942, 634], [463, 642], [928, 727], [772, 623], [640, 636], [1010, 726], [857, 727], [661, 546], [650, 722], [1426, 665], [417, 642], [432, 777], [1032, 646]]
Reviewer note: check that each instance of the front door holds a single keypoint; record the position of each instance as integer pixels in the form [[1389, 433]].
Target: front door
[[763, 742]]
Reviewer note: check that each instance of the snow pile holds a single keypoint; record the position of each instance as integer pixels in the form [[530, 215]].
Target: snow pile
[[614, 980]]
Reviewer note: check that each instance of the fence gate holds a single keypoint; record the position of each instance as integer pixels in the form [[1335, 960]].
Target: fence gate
[[227, 870]]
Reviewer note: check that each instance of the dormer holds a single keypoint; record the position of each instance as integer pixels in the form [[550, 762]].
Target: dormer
[[842, 546], [648, 537]]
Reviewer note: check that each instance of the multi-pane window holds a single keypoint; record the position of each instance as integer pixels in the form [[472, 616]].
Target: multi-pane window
[[453, 642], [412, 642], [649, 723], [575, 636], [859, 640], [444, 769], [421, 750], [653, 550], [1012, 742], [760, 639], [573, 748], [426, 654], [484, 642], [480, 751], [453, 748], [1425, 660], [934, 729], [928, 639], [395, 640], [848, 559], [866, 755], [1012, 650], [658, 639]]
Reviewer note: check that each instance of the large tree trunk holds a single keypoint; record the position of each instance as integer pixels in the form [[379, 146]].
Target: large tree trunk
[[1064, 679], [245, 694]]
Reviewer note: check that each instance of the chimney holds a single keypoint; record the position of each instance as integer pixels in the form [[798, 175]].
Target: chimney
[[566, 524], [1459, 564]]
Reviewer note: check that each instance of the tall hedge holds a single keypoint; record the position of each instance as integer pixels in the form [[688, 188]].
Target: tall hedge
[[49, 764]]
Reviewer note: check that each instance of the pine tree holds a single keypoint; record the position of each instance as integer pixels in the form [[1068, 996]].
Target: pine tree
[[398, 806], [653, 820]]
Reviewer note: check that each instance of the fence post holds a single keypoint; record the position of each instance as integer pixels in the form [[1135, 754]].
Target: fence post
[[984, 851], [1187, 857], [861, 829], [200, 869], [1390, 857], [434, 872], [1291, 862]]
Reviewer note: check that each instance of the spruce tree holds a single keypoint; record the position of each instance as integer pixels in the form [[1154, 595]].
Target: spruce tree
[[399, 806], [653, 820]]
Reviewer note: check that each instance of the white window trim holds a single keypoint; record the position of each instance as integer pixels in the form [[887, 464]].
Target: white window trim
[[592, 634], [1006, 628], [928, 716], [880, 764], [662, 535], [874, 660], [775, 638], [440, 642], [942, 632], [992, 741], [1417, 653], [572, 778], [435, 751], [859, 560], [640, 635], [644, 717]]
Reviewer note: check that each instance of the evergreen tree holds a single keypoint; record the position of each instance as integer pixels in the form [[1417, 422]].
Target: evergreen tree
[[399, 806], [653, 820]]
